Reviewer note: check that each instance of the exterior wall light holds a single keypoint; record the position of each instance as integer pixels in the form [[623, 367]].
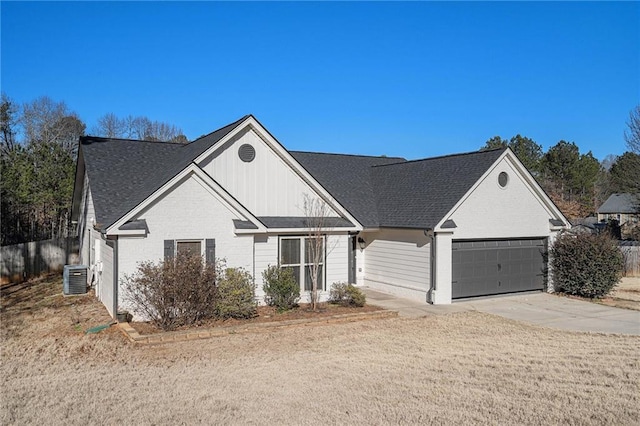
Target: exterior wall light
[[361, 242]]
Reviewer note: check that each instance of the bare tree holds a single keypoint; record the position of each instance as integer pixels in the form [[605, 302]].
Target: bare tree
[[632, 134], [8, 125], [316, 214], [139, 127], [110, 126], [45, 121], [67, 133], [157, 130]]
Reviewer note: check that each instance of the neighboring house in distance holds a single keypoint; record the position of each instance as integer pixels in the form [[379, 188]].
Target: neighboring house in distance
[[433, 230], [624, 208], [586, 226]]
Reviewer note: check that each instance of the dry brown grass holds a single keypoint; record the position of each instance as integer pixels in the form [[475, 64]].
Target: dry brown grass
[[451, 369], [626, 294], [628, 288]]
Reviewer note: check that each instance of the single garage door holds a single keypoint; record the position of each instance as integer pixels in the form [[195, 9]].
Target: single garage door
[[483, 268]]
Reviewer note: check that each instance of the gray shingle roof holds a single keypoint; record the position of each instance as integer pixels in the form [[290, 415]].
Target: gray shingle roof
[[393, 192], [302, 222], [377, 191], [135, 225], [123, 173], [347, 178], [620, 203], [417, 194], [243, 224]]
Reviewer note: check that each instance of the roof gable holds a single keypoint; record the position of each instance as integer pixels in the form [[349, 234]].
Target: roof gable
[[195, 173], [620, 203], [504, 201], [272, 166], [123, 173], [418, 194]]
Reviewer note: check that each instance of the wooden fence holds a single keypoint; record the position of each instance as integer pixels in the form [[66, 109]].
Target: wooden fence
[[631, 252], [20, 262]]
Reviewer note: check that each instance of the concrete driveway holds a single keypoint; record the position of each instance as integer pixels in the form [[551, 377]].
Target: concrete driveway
[[535, 308]]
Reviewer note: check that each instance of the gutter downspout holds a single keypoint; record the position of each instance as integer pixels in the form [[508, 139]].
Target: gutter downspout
[[115, 278], [432, 254]]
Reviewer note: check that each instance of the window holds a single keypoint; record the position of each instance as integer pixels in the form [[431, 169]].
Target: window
[[297, 253], [503, 179], [173, 247], [189, 248]]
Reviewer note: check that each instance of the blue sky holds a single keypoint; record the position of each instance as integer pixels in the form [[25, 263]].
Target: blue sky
[[414, 79]]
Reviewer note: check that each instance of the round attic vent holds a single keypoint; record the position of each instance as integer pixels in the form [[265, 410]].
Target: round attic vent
[[503, 179], [246, 153]]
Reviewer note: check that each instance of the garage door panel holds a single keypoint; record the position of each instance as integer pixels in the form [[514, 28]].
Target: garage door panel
[[497, 266]]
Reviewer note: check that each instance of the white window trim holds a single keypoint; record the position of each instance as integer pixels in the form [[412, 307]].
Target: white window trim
[[302, 263], [192, 240]]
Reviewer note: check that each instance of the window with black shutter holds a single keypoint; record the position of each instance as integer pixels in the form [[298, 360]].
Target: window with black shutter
[[188, 247]]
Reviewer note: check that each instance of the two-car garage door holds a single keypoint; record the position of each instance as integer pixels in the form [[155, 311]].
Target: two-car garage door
[[497, 266]]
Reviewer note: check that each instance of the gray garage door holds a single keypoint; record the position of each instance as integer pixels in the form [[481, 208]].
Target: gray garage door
[[498, 266]]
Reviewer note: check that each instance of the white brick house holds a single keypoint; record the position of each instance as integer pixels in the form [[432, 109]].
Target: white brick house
[[432, 229]]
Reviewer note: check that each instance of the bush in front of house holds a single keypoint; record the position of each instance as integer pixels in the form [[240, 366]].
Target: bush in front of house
[[586, 265], [236, 295], [280, 288], [346, 295], [170, 294]]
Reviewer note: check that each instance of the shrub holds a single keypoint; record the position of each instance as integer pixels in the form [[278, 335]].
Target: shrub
[[280, 288], [586, 265], [173, 293], [346, 295], [236, 295]]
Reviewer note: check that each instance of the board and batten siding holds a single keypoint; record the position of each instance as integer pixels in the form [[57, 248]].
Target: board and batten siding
[[188, 212], [266, 186], [398, 261]]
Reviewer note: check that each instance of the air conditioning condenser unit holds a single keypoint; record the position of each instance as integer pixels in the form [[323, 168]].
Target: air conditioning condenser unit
[[74, 279]]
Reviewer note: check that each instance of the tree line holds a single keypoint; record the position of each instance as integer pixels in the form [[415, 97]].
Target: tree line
[[38, 151], [39, 146]]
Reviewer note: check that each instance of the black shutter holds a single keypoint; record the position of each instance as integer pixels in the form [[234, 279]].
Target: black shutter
[[210, 251], [168, 249]]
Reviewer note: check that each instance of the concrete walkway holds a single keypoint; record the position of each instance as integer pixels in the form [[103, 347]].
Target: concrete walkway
[[535, 308]]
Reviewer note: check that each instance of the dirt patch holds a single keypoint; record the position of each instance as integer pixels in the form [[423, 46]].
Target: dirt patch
[[465, 368], [266, 314]]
